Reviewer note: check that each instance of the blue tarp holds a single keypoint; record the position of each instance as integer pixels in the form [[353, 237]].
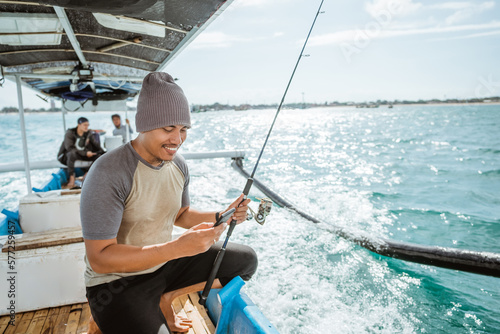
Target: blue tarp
[[12, 218]]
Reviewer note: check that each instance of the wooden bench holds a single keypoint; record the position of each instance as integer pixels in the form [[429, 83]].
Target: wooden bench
[[51, 238], [71, 319], [74, 319]]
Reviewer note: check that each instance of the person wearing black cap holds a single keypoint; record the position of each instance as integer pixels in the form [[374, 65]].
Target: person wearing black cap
[[79, 143]]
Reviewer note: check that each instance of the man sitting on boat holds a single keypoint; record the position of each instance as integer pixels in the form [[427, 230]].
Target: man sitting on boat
[[79, 143], [120, 129], [132, 197]]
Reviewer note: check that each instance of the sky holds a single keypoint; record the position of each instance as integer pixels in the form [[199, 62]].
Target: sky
[[358, 51]]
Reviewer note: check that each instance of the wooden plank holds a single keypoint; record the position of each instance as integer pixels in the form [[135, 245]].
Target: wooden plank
[[53, 311], [41, 313], [57, 237], [179, 310], [11, 329], [193, 315], [73, 319], [4, 322], [71, 192], [83, 325], [36, 324], [23, 325], [50, 321], [202, 311], [61, 320]]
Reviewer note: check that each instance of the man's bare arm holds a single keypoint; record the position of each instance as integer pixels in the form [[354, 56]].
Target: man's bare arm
[[188, 217], [107, 256]]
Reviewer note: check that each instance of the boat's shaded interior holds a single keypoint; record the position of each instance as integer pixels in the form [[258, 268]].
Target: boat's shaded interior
[[96, 50]]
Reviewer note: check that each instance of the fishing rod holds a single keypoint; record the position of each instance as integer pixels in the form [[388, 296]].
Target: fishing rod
[[246, 190]]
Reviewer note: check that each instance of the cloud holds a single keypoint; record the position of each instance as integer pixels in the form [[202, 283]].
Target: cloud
[[248, 3], [256, 3], [453, 5], [481, 34], [219, 39], [456, 5], [214, 39], [347, 36], [394, 7], [463, 10]]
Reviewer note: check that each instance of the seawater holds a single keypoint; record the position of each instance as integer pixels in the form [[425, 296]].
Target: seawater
[[423, 174]]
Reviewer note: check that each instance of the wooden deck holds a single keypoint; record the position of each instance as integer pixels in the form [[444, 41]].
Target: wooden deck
[[73, 319]]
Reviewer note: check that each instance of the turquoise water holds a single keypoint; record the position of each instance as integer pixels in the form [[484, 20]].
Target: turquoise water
[[422, 174]]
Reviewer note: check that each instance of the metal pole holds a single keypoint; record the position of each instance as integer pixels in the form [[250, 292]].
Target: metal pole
[[64, 120], [127, 127], [63, 19], [23, 133]]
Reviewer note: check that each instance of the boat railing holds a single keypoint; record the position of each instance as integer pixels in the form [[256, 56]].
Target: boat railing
[[60, 178], [49, 164]]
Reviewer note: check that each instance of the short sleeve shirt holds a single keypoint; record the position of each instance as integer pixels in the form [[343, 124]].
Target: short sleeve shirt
[[122, 131], [126, 198]]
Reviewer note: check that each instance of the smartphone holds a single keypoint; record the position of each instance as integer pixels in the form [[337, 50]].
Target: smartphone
[[223, 218]]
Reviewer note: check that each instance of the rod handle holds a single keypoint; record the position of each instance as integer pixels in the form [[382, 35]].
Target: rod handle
[[248, 186], [211, 278], [216, 265]]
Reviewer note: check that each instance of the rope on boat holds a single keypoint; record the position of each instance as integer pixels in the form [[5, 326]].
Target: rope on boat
[[484, 263]]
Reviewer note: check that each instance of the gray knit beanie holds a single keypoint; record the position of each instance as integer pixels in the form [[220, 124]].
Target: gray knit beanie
[[161, 103]]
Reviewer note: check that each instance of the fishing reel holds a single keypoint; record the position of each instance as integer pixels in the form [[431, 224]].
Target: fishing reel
[[263, 211]]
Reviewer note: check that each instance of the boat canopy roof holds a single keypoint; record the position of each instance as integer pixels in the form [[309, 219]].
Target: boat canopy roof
[[94, 49]]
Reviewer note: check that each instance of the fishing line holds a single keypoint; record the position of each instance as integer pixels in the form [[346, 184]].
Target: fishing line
[[286, 90], [220, 254]]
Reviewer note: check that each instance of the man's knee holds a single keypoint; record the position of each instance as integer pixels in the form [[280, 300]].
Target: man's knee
[[71, 157], [249, 257], [243, 260]]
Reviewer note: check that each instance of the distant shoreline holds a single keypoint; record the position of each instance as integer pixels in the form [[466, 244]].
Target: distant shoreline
[[307, 106], [448, 104]]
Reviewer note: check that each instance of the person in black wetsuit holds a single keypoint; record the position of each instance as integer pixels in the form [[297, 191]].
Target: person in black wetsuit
[[79, 143]]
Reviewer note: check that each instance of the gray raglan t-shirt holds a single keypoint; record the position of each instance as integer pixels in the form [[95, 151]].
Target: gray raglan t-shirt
[[126, 198]]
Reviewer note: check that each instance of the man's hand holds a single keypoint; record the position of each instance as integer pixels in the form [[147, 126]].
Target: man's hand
[[199, 238], [90, 154], [127, 121], [240, 215]]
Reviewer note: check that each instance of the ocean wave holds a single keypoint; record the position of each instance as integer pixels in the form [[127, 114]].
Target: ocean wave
[[419, 211], [489, 150], [493, 172], [446, 215], [379, 195]]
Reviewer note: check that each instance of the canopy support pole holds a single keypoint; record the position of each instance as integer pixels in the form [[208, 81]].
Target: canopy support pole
[[63, 18], [127, 127], [23, 132], [64, 120]]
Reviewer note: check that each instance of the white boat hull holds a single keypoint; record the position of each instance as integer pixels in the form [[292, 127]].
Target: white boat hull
[[43, 277]]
